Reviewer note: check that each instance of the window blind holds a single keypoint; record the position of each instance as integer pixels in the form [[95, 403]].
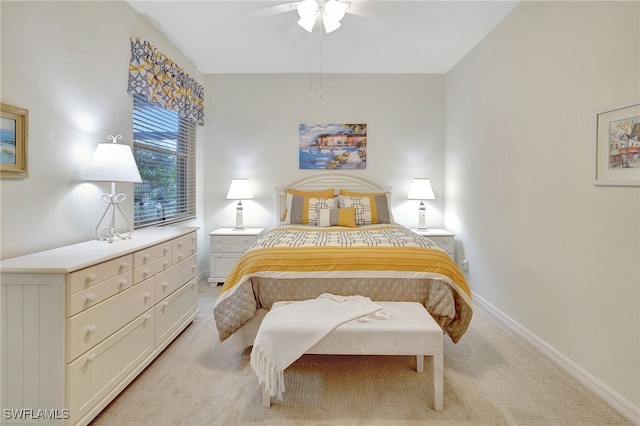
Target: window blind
[[164, 149]]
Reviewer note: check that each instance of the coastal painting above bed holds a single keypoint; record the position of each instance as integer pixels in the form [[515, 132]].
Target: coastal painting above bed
[[338, 236], [333, 146]]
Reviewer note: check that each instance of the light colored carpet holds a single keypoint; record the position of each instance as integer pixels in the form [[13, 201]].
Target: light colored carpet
[[491, 377]]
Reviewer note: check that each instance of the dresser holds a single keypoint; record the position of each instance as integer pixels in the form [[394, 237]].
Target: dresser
[[227, 246], [80, 322], [444, 239]]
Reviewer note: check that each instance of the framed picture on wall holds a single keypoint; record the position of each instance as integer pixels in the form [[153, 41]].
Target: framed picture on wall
[[617, 153], [14, 135], [333, 146]]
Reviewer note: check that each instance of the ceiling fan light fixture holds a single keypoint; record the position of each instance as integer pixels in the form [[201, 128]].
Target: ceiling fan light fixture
[[307, 9], [334, 10], [307, 22], [330, 25]]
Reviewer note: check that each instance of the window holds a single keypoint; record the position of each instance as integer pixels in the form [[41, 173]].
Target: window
[[164, 148]]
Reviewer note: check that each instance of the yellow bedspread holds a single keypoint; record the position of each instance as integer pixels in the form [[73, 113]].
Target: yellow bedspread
[[388, 254]]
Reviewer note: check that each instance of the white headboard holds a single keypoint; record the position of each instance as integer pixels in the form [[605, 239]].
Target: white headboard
[[329, 179]]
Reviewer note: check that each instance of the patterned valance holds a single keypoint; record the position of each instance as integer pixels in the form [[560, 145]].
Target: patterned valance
[[158, 79]]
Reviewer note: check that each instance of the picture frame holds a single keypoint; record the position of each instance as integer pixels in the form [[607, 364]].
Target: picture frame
[[333, 146], [14, 140], [617, 144]]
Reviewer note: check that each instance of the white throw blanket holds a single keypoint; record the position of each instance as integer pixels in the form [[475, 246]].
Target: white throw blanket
[[287, 332]]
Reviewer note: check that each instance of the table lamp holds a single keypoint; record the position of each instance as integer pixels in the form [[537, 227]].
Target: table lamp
[[421, 190], [239, 190], [113, 162]]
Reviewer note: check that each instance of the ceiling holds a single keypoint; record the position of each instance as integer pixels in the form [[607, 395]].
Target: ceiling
[[391, 36]]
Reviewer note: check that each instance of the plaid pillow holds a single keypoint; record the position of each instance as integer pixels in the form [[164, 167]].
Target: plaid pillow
[[304, 210], [369, 209]]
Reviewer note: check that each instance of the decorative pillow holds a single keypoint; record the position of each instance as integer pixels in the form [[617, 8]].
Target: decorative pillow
[[324, 193], [304, 210], [337, 217], [371, 207]]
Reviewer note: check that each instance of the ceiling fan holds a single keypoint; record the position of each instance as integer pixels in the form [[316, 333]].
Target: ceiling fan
[[329, 12]]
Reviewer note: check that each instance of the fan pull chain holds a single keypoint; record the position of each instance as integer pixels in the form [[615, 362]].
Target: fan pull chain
[[320, 74], [310, 69]]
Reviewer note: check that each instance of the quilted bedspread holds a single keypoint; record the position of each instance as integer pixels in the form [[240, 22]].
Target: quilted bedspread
[[382, 262]]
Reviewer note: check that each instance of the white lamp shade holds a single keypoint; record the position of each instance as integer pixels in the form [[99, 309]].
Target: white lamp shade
[[421, 190], [239, 190], [113, 162]]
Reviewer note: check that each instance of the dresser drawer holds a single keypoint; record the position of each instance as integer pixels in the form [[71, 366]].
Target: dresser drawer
[[85, 278], [229, 248], [97, 293], [93, 375], [174, 311], [175, 277], [183, 253], [90, 327], [445, 243], [233, 239], [148, 255], [180, 243], [151, 268]]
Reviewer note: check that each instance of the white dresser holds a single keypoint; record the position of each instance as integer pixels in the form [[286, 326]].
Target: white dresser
[[80, 322], [227, 245]]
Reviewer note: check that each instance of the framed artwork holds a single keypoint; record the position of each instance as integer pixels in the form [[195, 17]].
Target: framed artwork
[[333, 146], [14, 136], [617, 153]]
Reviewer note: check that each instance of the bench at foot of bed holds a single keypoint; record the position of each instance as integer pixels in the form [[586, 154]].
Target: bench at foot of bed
[[401, 328]]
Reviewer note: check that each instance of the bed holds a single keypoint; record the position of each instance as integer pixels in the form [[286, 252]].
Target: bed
[[337, 235]]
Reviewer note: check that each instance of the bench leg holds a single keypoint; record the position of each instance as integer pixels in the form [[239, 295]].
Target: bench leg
[[420, 363], [266, 399], [437, 367]]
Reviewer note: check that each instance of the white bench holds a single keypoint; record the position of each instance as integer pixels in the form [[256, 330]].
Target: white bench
[[409, 330]]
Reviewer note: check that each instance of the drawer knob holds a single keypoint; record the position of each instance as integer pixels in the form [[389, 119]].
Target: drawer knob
[[147, 317], [193, 267], [165, 304], [146, 272], [147, 295], [246, 240], [219, 240], [91, 277], [147, 256], [91, 358], [165, 250], [91, 329], [165, 263], [124, 283], [180, 256], [124, 265], [180, 244], [165, 284], [91, 298]]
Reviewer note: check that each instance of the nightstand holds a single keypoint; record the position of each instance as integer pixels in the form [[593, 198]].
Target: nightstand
[[226, 247], [444, 239]]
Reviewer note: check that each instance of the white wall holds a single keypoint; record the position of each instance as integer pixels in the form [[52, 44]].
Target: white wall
[[252, 132], [545, 246], [67, 63]]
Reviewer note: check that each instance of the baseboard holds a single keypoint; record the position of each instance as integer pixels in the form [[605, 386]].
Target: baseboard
[[620, 404]]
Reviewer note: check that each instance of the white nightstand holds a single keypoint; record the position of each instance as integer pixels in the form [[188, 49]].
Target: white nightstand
[[226, 247], [444, 239]]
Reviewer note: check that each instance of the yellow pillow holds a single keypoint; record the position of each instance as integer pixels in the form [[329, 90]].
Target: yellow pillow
[[372, 207], [325, 193], [339, 217]]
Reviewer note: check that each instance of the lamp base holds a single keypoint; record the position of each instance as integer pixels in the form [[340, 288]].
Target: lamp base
[[111, 230], [239, 221]]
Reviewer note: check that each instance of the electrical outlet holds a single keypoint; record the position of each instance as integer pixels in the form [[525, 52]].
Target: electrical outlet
[[465, 265]]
